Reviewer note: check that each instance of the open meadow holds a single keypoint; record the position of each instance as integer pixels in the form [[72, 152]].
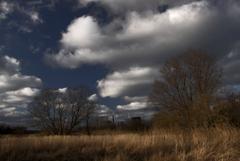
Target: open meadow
[[216, 144]]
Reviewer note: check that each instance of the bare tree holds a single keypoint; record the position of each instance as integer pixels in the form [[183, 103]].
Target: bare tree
[[60, 112], [88, 111], [187, 87]]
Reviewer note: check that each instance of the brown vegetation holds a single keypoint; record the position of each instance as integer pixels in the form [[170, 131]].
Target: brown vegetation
[[187, 89], [217, 144]]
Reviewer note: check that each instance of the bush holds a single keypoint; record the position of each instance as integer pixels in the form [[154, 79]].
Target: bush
[[225, 112], [228, 111]]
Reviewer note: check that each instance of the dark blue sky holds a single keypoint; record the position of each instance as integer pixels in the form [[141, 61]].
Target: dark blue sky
[[30, 47]]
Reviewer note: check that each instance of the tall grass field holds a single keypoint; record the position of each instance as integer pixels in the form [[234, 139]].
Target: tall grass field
[[216, 144]]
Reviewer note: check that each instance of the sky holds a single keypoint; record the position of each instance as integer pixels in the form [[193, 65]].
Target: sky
[[114, 47]]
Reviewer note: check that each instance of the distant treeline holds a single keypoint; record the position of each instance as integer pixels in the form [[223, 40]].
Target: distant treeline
[[131, 125], [7, 129]]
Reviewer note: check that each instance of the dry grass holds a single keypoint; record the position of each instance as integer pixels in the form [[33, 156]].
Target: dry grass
[[219, 144]]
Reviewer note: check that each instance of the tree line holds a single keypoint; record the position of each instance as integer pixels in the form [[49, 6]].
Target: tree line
[[187, 95]]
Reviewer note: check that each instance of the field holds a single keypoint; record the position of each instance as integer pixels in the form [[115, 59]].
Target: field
[[218, 144]]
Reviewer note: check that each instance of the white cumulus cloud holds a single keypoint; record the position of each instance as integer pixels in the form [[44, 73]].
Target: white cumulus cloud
[[120, 83], [16, 89], [81, 33], [146, 38], [133, 106]]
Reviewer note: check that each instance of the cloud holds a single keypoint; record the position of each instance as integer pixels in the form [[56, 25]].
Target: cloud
[[124, 5], [133, 106], [103, 110], [35, 17], [5, 9], [82, 33], [135, 103], [119, 83], [93, 97], [120, 6], [62, 90], [16, 89], [9, 65], [146, 38], [19, 16], [136, 99], [19, 95]]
